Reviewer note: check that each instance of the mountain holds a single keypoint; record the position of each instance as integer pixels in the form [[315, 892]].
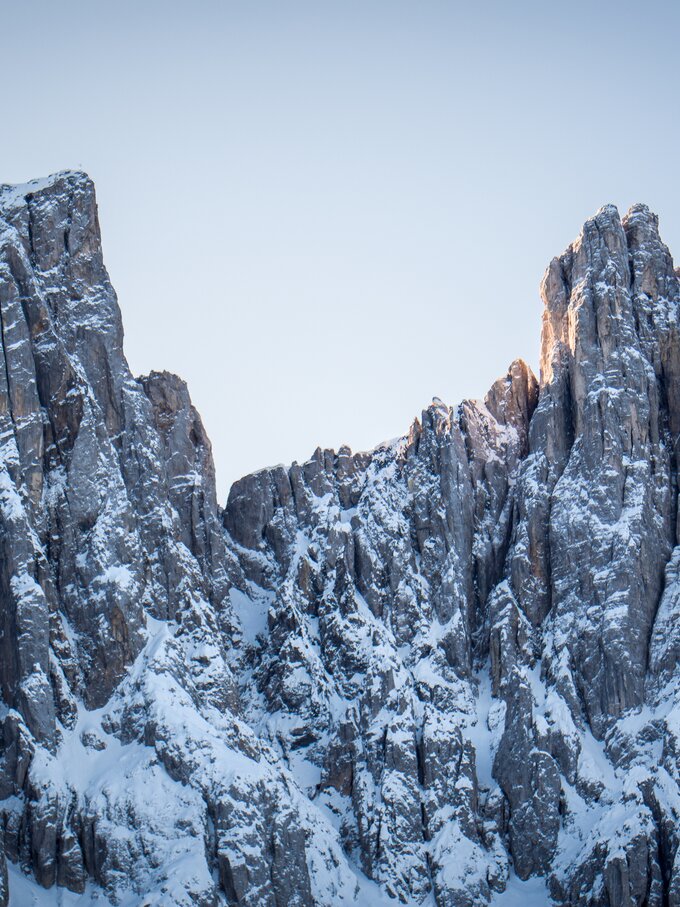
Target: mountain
[[442, 672]]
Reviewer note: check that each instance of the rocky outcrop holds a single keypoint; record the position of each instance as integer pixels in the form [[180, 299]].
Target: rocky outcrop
[[417, 674], [377, 568], [111, 535]]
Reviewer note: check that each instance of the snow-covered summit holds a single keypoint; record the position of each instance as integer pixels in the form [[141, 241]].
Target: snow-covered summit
[[14, 194]]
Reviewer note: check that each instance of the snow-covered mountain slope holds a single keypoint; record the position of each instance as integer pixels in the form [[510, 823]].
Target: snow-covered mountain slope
[[443, 672]]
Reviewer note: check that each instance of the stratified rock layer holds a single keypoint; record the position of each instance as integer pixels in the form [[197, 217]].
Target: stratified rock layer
[[408, 675]]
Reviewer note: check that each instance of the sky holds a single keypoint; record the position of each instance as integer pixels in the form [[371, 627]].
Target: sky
[[323, 214]]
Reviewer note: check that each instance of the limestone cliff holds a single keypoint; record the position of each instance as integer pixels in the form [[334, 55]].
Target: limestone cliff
[[417, 675]]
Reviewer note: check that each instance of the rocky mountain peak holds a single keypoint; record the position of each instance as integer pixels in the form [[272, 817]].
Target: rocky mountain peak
[[444, 671]]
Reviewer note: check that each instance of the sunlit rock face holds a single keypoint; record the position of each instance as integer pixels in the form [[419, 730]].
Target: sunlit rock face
[[417, 675]]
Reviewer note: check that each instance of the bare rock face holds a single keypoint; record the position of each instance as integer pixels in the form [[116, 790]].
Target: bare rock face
[[595, 522], [411, 675]]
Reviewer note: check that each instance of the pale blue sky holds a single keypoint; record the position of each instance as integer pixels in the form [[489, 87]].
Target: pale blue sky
[[322, 214]]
